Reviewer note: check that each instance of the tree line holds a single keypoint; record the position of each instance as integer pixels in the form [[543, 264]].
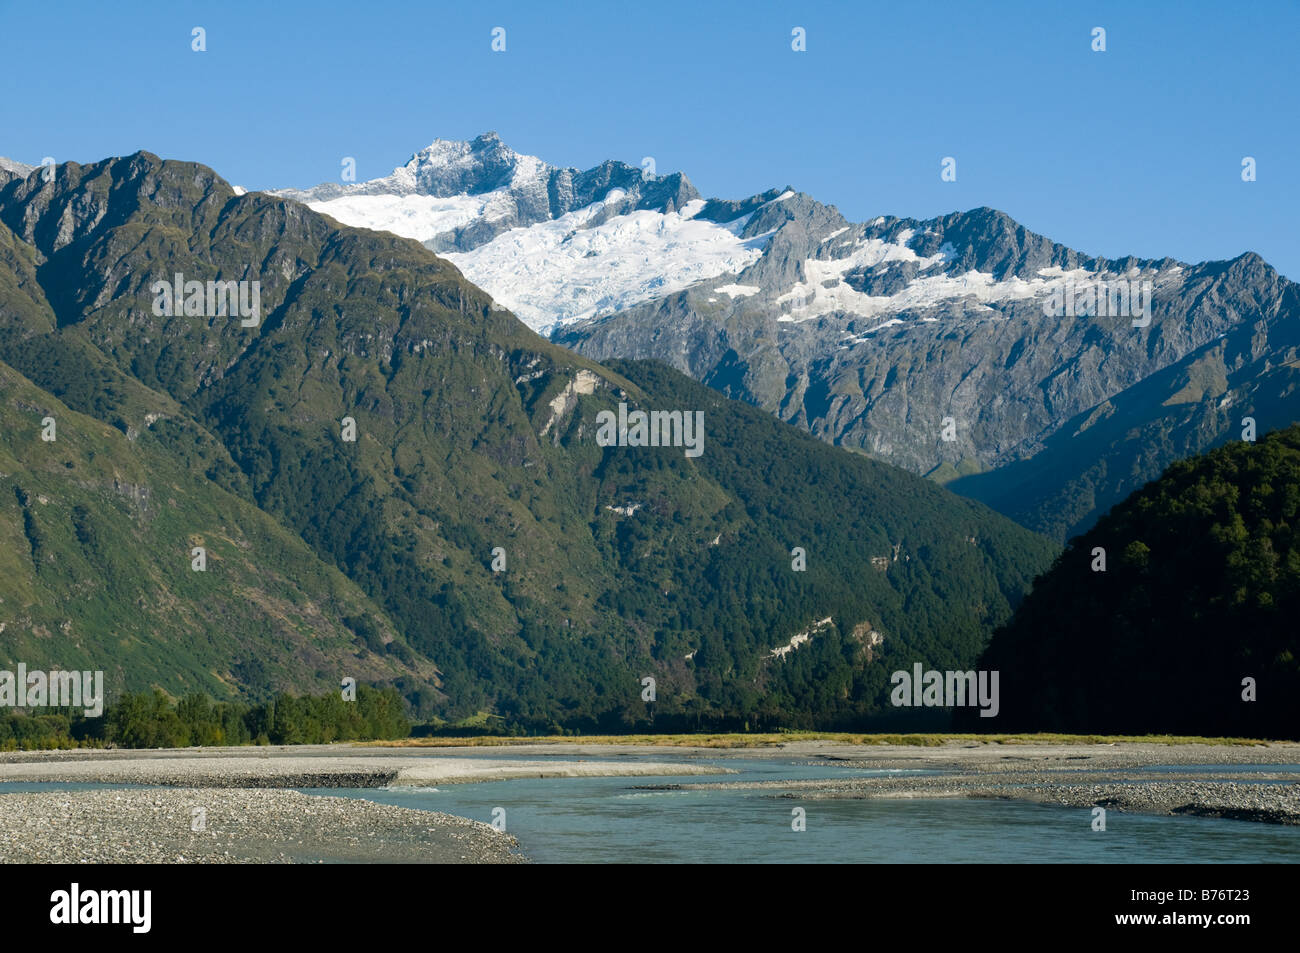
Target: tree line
[[153, 720]]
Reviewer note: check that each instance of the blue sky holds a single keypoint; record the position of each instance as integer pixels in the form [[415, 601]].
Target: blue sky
[[1136, 150]]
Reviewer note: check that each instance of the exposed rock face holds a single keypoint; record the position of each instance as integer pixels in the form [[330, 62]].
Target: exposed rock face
[[519, 190], [10, 170], [584, 382], [927, 344]]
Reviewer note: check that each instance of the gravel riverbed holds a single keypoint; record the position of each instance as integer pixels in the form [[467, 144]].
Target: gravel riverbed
[[155, 825], [321, 767], [249, 814], [1253, 783]]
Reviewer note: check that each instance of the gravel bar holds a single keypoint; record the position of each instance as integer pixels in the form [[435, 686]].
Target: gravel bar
[[154, 825], [1224, 781], [334, 768]]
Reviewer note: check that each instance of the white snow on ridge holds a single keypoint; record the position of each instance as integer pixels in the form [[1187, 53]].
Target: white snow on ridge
[[920, 293], [415, 216], [454, 155], [562, 271], [852, 340], [398, 203], [738, 291], [884, 324], [823, 290]]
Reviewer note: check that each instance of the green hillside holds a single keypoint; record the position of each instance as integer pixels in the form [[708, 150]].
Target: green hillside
[[96, 534], [472, 434], [1201, 590]]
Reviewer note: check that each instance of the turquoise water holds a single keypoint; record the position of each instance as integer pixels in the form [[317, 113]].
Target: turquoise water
[[614, 820], [608, 820]]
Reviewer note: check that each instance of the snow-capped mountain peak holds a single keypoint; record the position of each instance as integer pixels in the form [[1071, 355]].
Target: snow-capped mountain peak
[[451, 167], [554, 244]]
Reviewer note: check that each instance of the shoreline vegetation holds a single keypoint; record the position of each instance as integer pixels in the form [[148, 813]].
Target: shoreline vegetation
[[152, 720]]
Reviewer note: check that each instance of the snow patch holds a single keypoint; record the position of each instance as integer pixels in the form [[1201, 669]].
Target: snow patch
[[738, 291], [824, 291]]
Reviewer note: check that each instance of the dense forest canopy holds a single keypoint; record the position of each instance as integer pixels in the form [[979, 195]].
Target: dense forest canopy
[[1194, 614]]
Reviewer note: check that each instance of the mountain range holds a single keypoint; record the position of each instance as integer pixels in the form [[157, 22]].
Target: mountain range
[[930, 344], [392, 477]]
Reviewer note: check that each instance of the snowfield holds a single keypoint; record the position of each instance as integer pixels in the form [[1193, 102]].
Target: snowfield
[[415, 216], [602, 258], [564, 270], [825, 292]]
